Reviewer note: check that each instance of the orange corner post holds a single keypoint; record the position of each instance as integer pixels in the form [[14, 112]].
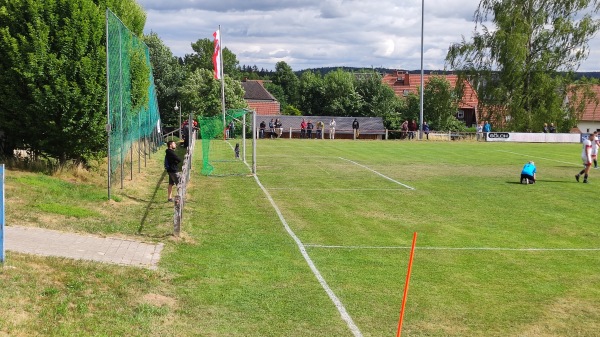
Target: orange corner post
[[410, 261]]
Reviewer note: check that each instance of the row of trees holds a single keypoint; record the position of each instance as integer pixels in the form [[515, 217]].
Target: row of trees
[[52, 74]]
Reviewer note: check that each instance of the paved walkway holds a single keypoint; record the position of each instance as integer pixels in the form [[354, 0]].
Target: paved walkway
[[45, 242]]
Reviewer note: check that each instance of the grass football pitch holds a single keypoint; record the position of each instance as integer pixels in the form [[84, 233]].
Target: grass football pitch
[[318, 245], [493, 257]]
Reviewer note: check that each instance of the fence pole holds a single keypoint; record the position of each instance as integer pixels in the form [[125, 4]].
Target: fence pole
[[2, 213]]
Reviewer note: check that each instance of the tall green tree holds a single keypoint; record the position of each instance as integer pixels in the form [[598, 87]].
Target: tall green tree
[[202, 56], [202, 93], [522, 66], [52, 75], [311, 93], [168, 74], [440, 103], [341, 98], [378, 99], [288, 81]]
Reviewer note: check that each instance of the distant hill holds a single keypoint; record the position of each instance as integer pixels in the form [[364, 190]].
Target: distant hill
[[325, 70]]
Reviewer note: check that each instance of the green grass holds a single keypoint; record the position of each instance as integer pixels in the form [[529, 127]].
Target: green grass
[[237, 272]]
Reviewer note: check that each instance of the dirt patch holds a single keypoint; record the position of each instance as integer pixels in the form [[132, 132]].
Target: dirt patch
[[159, 300]]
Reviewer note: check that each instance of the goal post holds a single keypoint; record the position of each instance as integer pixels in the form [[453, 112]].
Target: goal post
[[225, 146]]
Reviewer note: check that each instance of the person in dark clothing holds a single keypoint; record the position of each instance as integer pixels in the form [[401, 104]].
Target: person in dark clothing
[[309, 128], [355, 127], [412, 129], [261, 133], [171, 165], [426, 129], [186, 134]]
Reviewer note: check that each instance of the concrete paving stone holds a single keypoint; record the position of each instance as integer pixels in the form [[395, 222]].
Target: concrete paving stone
[[45, 242]]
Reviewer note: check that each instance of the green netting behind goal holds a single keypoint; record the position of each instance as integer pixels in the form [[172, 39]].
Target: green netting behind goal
[[219, 142], [133, 116]]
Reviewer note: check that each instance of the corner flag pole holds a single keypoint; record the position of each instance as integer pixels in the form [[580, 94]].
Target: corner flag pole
[[412, 254]]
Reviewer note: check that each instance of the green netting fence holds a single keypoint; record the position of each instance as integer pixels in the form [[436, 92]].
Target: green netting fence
[[132, 106], [219, 143]]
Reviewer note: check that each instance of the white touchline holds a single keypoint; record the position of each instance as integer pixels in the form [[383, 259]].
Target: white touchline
[[333, 189], [336, 301], [525, 155], [370, 169], [457, 248]]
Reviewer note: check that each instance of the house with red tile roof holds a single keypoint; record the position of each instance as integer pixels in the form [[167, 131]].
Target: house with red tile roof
[[590, 120], [403, 83], [260, 99]]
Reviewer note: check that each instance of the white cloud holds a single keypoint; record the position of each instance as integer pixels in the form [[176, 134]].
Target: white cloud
[[318, 33]]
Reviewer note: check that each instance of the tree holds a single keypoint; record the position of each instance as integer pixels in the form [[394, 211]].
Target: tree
[[379, 99], [53, 76], [202, 58], [440, 103], [340, 97], [523, 67], [203, 93], [284, 77], [168, 77], [311, 93]]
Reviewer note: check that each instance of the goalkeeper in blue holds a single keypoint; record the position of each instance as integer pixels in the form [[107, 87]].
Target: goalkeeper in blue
[[528, 173]]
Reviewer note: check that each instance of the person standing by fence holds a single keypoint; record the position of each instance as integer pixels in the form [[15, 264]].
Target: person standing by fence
[[332, 129], [172, 166], [355, 128]]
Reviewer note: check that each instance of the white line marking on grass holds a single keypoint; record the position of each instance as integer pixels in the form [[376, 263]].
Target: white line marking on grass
[[525, 155], [334, 189], [457, 248], [336, 301], [370, 169]]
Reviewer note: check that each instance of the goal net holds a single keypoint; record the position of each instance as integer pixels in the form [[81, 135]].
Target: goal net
[[226, 147]]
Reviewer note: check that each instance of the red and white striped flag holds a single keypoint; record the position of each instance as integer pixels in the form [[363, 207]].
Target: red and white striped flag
[[217, 54]]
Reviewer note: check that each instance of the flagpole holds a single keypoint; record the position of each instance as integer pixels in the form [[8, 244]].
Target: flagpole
[[222, 76], [422, 88]]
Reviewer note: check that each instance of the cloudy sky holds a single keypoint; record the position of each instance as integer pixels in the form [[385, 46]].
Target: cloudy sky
[[321, 33]]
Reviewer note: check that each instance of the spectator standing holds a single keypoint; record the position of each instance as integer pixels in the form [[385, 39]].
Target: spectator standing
[[272, 128], [552, 128], [487, 128], [309, 128], [528, 173], [231, 130], [404, 130], [412, 129], [426, 129], [172, 166], [279, 127], [355, 128], [261, 132], [303, 129], [479, 131], [185, 133], [546, 130], [332, 129], [320, 127], [586, 157]]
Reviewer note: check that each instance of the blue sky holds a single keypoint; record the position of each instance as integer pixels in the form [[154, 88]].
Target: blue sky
[[321, 33]]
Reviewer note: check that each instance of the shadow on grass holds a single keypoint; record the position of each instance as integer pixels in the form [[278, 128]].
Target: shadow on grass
[[538, 181], [150, 202]]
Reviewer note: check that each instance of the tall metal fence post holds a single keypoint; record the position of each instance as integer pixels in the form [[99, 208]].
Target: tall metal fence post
[[2, 213]]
